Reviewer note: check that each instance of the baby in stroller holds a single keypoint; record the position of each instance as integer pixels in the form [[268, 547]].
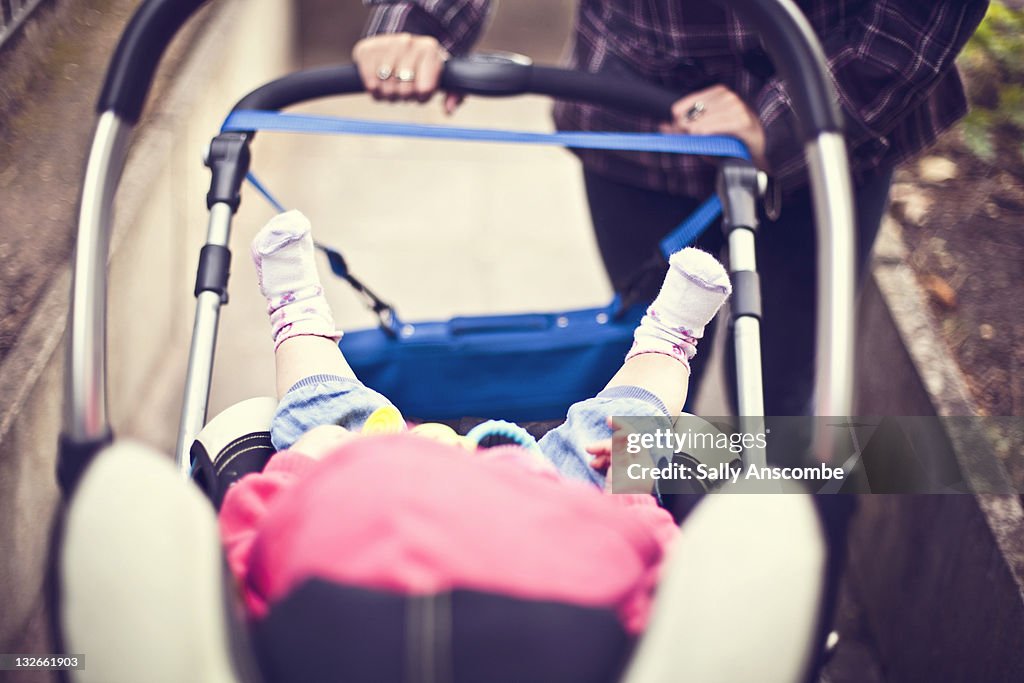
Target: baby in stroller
[[367, 549]]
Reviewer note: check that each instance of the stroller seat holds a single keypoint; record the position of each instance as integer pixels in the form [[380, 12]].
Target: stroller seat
[[171, 612]]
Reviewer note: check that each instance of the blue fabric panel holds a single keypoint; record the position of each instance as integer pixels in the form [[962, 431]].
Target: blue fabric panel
[[513, 367]]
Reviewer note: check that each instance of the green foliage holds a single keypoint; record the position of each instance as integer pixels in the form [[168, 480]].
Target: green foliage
[[994, 71]]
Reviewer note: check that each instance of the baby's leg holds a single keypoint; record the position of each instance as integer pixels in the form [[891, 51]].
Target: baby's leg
[[654, 378], [314, 381], [695, 287]]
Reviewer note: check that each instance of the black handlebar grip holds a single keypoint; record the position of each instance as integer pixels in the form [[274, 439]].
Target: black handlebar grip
[[798, 58], [473, 77], [627, 95], [302, 86], [138, 53]]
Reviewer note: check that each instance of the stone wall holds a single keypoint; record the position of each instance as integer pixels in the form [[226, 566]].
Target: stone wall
[[159, 221]]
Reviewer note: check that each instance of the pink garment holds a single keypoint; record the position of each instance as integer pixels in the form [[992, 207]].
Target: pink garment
[[402, 513]]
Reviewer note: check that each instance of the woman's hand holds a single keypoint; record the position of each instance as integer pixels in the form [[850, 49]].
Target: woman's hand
[[402, 66], [719, 111]]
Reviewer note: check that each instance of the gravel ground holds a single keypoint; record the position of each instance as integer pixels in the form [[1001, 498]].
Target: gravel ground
[[961, 220]]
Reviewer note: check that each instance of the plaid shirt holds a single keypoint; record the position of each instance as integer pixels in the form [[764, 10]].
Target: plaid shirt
[[892, 62]]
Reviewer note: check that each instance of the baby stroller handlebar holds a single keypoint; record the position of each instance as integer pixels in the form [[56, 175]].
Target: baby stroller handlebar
[[476, 75], [786, 35]]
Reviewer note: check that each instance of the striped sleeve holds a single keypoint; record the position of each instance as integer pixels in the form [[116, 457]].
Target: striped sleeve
[[456, 24], [884, 65]]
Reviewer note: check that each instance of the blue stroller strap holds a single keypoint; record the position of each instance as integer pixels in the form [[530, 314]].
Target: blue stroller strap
[[692, 227], [264, 192], [245, 120]]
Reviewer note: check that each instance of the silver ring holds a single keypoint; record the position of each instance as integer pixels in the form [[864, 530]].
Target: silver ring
[[405, 76], [384, 72], [696, 111]]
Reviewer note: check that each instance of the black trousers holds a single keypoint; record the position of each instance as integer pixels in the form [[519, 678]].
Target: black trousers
[[629, 221]]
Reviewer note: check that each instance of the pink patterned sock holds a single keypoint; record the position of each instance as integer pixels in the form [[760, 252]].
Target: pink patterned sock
[[285, 267], [695, 288]]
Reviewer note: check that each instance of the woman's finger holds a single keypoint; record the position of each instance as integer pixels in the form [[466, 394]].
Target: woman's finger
[[689, 111], [407, 63], [451, 102], [428, 70], [367, 55], [392, 63]]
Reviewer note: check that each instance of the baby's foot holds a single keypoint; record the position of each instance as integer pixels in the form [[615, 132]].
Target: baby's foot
[[286, 269], [695, 288]]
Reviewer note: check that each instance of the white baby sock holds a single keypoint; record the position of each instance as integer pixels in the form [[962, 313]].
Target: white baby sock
[[695, 288], [284, 256]]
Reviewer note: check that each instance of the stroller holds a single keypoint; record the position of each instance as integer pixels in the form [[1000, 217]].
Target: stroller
[[180, 576]]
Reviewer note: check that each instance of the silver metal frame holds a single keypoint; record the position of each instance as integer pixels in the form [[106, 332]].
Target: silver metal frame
[[747, 342], [202, 349], [747, 331], [85, 374], [834, 217]]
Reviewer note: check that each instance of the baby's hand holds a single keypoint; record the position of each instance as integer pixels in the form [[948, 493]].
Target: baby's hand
[[602, 460], [602, 450], [322, 441]]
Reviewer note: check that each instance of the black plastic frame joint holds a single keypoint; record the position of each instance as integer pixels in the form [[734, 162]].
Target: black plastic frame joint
[[746, 294], [214, 270], [228, 160], [737, 187], [74, 457]]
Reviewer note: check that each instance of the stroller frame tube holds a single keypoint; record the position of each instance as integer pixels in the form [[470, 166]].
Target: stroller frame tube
[[85, 408], [833, 207], [747, 331], [739, 186], [201, 351], [786, 35]]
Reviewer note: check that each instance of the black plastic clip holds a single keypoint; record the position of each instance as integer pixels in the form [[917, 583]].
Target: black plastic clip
[[213, 271], [228, 160], [737, 187]]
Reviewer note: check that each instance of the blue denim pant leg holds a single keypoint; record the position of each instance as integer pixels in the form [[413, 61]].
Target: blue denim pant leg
[[587, 422], [322, 400]]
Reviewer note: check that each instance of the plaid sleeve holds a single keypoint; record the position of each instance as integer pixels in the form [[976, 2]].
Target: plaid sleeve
[[455, 23], [884, 67]]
